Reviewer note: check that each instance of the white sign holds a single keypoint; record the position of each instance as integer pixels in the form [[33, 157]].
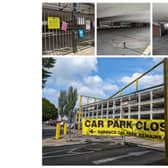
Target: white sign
[[88, 27]]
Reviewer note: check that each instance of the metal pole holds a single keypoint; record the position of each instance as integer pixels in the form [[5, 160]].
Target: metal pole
[[155, 66], [79, 115], [74, 39], [69, 128], [166, 107], [137, 86]]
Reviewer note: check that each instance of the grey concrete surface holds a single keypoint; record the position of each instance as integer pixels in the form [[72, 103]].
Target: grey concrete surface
[[160, 45], [110, 41], [87, 51]]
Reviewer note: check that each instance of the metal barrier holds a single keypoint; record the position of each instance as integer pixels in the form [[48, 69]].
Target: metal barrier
[[61, 41], [153, 100]]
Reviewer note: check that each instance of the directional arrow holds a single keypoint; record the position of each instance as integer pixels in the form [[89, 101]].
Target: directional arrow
[[120, 157], [91, 131]]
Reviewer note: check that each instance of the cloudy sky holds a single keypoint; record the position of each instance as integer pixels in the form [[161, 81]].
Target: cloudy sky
[[99, 77]]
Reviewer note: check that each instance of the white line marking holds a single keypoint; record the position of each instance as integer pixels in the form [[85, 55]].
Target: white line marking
[[54, 151], [64, 155], [120, 157]]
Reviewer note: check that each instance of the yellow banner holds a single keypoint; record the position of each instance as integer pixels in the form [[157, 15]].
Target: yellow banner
[[150, 129], [53, 23]]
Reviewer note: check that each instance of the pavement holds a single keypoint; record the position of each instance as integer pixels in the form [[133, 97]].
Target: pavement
[[160, 45], [74, 139], [86, 51], [111, 41]]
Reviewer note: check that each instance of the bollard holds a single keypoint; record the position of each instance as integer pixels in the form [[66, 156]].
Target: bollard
[[65, 129], [124, 43], [57, 133]]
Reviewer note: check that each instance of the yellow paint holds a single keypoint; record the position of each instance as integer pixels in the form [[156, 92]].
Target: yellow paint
[[57, 134], [137, 85], [53, 23], [79, 129], [80, 102], [79, 116], [149, 129], [65, 129]]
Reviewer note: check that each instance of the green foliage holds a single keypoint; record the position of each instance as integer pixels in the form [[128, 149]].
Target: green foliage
[[46, 64], [62, 101], [67, 101], [49, 110]]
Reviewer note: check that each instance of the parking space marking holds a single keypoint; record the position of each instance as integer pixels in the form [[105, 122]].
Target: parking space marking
[[54, 152], [120, 157], [69, 154]]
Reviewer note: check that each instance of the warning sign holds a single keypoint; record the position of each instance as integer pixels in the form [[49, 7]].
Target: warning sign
[[150, 129], [53, 23]]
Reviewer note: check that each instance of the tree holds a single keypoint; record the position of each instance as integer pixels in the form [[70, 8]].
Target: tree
[[71, 99], [67, 101], [49, 110], [62, 101], [46, 64]]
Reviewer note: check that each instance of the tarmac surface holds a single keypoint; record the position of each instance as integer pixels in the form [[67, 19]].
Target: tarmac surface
[[95, 150], [160, 45], [111, 41], [101, 153]]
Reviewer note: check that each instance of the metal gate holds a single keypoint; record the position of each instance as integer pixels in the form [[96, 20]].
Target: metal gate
[[61, 42]]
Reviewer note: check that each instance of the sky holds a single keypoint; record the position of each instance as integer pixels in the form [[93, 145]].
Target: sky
[[99, 77]]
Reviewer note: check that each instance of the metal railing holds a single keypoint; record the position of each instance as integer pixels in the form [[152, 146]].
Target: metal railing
[[161, 100], [59, 42]]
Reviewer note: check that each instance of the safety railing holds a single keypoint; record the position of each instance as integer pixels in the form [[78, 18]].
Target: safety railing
[[148, 102]]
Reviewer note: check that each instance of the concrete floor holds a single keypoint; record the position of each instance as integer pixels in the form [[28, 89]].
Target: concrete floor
[[160, 45], [110, 41]]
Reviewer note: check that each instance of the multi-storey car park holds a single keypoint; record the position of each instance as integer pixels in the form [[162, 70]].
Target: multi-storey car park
[[143, 104]]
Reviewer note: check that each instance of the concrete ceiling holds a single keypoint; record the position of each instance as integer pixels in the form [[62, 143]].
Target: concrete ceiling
[[160, 12], [128, 12]]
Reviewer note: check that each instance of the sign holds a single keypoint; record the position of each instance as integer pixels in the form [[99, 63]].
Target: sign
[[53, 23], [64, 26], [149, 129], [88, 24], [81, 33]]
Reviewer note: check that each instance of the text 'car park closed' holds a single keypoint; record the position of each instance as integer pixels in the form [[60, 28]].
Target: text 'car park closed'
[[151, 129]]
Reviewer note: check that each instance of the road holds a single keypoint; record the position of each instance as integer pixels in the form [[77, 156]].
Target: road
[[101, 154], [48, 131]]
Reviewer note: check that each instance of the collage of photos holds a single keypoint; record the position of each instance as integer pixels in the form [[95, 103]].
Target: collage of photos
[[104, 83]]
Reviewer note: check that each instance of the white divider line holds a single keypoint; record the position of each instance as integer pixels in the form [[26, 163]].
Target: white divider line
[[65, 155], [54, 152], [120, 157]]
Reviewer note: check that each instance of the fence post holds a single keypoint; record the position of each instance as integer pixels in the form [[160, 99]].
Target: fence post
[[137, 85], [166, 107], [79, 115], [74, 40]]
